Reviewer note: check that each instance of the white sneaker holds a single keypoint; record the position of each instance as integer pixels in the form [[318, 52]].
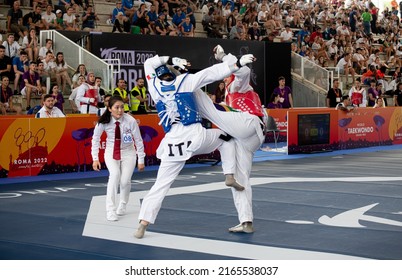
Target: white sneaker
[[140, 231], [111, 216], [121, 210], [246, 227]]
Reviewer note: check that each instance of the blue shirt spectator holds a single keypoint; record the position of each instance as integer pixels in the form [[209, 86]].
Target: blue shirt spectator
[[116, 10], [21, 65], [178, 17], [129, 4], [152, 15]]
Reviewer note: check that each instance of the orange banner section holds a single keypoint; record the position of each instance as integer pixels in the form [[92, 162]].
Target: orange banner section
[[30, 146], [321, 129]]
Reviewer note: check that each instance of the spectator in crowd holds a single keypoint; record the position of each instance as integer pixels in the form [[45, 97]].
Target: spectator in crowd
[[116, 10], [128, 6], [106, 104], [49, 110], [372, 93], [345, 66], [57, 97], [285, 93], [14, 21], [367, 18], [333, 52], [359, 61], [43, 75], [287, 34], [66, 4], [303, 51], [30, 44], [358, 94], [178, 18], [121, 24], [82, 3], [236, 31], [211, 24], [139, 99], [74, 103], [301, 34], [34, 19], [275, 102], [70, 21], [379, 103], [30, 84], [187, 28], [20, 66], [188, 10], [381, 92], [12, 47], [232, 19], [163, 28], [88, 95], [369, 75], [254, 32], [49, 66], [101, 91], [334, 95], [220, 92], [60, 25], [374, 15], [89, 18], [121, 91], [398, 95], [81, 71], [353, 17], [47, 47], [39, 3], [316, 33], [344, 31], [140, 19], [205, 8], [5, 63], [6, 100], [345, 104], [49, 18], [62, 75], [152, 16]]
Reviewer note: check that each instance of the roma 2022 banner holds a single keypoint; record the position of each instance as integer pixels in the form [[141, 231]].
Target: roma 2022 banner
[[31, 147]]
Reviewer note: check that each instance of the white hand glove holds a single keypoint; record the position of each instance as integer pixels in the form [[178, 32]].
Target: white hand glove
[[246, 59], [219, 53], [91, 100], [180, 62]]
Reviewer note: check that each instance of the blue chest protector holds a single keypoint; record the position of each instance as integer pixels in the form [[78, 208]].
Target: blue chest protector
[[177, 107]]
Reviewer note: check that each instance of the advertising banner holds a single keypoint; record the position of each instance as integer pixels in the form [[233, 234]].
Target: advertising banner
[[132, 51], [31, 147], [315, 130], [281, 118]]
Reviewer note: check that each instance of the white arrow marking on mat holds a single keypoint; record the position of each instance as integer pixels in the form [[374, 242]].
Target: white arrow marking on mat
[[97, 226], [352, 217]]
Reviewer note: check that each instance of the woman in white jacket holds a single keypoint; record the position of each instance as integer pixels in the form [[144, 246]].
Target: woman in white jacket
[[122, 133]]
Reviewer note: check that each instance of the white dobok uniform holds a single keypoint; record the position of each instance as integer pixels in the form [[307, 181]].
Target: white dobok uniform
[[185, 136], [247, 132]]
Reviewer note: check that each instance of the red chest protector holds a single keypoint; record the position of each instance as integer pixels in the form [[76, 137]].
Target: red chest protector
[[92, 93], [357, 98], [246, 102]]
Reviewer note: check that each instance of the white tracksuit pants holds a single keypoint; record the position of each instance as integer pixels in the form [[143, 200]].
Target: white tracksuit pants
[[169, 170], [120, 173], [248, 136]]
